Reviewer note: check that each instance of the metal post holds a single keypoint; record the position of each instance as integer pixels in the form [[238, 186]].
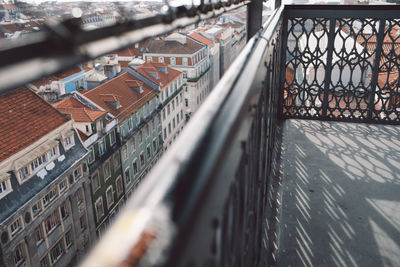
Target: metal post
[[254, 17]]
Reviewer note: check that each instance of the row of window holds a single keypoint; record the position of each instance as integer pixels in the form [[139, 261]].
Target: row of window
[[16, 226], [102, 146], [109, 198], [170, 129], [58, 250], [96, 181], [134, 118], [169, 90], [142, 161], [39, 162], [195, 59], [178, 99]]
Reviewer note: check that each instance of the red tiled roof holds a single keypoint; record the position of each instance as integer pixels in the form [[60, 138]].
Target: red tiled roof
[[201, 38], [9, 6], [163, 78], [78, 111], [25, 118], [130, 99], [83, 136], [174, 47]]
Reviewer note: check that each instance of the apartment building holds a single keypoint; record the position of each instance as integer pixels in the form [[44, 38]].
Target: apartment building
[[189, 56], [44, 189], [135, 105], [170, 82], [98, 131]]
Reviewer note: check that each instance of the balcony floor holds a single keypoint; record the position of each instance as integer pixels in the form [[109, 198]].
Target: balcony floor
[[340, 195]]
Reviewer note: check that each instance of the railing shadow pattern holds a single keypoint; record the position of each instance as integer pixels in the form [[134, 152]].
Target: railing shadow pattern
[[340, 195]]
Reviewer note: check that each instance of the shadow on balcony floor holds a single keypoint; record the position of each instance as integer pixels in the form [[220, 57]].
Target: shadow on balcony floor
[[340, 194]]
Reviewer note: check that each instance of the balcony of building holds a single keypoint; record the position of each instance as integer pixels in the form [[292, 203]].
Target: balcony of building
[[292, 160]]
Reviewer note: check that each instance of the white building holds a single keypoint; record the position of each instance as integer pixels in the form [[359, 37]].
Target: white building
[[189, 56]]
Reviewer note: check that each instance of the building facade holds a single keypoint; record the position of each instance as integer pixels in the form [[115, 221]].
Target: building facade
[[136, 107], [170, 82], [44, 185], [98, 131], [189, 56]]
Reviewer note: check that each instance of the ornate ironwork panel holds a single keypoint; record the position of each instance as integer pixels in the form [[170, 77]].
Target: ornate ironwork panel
[[342, 68]]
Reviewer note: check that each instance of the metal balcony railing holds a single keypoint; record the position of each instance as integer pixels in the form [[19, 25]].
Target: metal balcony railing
[[211, 201]]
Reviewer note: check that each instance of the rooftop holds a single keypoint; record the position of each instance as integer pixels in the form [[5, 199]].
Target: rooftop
[[78, 111], [129, 99], [25, 118], [162, 46], [164, 79]]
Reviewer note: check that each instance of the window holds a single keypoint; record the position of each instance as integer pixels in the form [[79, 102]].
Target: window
[[161, 59], [135, 167], [149, 59], [124, 152], [127, 176], [169, 109], [79, 196], [107, 172], [3, 187], [173, 104], [56, 252], [165, 133], [38, 162], [38, 235], [173, 123], [102, 147], [186, 102], [152, 125], [148, 150], [77, 173], [180, 97], [119, 186], [177, 102], [185, 61], [110, 197], [82, 221], [116, 161], [45, 262], [154, 145], [87, 128], [23, 173], [36, 208], [95, 182], [99, 208], [163, 114], [51, 222], [15, 227], [19, 254], [181, 114], [173, 60], [112, 137], [184, 74], [140, 137], [50, 197], [64, 210], [68, 142], [147, 130], [167, 91], [177, 118], [91, 155], [52, 152], [130, 124], [141, 160], [68, 239], [62, 185], [169, 128]]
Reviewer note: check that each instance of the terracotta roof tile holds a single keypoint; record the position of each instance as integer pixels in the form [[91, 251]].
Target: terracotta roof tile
[[174, 47], [78, 111], [25, 118], [164, 79], [130, 99], [201, 38]]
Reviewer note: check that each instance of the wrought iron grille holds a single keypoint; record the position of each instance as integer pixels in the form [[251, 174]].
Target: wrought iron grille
[[340, 64]]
